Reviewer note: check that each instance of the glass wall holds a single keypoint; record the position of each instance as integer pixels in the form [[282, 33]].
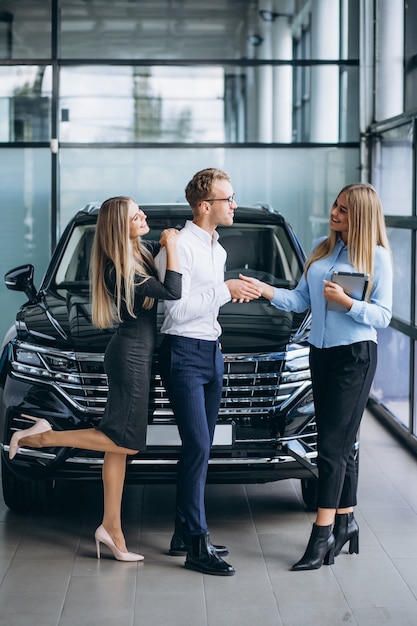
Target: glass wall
[[200, 104], [25, 103], [25, 29], [410, 55], [144, 104], [393, 159], [392, 386], [301, 183], [220, 29], [25, 205], [228, 71], [392, 169], [103, 98]]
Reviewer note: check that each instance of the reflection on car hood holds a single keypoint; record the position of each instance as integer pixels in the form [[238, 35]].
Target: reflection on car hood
[[62, 320]]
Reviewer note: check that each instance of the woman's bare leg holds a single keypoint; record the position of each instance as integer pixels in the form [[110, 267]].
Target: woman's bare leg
[[114, 471], [85, 439], [325, 517]]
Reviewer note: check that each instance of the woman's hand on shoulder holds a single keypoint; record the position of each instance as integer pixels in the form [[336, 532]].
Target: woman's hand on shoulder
[[168, 240], [169, 236]]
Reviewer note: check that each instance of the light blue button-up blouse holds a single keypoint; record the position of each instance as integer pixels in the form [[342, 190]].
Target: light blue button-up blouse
[[337, 328]]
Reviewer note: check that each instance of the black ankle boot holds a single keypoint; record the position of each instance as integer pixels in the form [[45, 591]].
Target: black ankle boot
[[181, 541], [346, 529], [320, 549], [202, 557]]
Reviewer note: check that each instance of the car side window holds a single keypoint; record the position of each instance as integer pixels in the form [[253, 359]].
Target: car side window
[[75, 263]]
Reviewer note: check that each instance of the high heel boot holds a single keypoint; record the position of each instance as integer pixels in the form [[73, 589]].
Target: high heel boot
[[40, 426], [320, 549], [102, 536], [346, 529]]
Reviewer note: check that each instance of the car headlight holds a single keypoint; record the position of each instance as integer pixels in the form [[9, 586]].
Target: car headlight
[[296, 369], [37, 363], [306, 405]]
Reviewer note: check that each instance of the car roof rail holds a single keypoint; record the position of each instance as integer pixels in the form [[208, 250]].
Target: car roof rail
[[90, 207], [266, 207]]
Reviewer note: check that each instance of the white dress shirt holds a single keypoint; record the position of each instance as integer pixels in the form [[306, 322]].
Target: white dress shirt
[[202, 260]]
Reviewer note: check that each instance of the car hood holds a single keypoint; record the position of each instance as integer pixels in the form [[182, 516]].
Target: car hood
[[62, 320]]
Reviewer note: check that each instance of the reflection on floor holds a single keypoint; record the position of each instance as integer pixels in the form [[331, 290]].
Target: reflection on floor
[[49, 575]]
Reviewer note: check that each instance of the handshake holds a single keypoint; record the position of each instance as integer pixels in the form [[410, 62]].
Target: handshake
[[245, 289]]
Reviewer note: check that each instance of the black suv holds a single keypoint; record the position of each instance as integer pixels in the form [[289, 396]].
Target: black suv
[[52, 367]]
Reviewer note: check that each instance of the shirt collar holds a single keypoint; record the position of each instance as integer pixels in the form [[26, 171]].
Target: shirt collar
[[340, 243], [202, 234]]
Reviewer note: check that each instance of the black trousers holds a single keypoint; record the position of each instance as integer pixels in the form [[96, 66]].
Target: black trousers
[[192, 373], [342, 378]]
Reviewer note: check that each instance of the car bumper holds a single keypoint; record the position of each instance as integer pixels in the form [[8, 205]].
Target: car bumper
[[67, 465]]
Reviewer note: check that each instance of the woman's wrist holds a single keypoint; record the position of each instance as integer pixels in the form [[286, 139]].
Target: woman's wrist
[[267, 291]]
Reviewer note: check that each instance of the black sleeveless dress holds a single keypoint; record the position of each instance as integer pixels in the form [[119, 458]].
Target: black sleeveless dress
[[128, 359]]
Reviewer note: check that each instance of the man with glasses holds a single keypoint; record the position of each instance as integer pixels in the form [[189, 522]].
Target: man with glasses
[[191, 362]]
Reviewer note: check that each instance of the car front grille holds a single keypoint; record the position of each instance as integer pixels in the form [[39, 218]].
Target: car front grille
[[255, 386], [261, 392], [252, 384]]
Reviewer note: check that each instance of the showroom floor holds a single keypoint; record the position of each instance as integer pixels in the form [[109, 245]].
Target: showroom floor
[[49, 575]]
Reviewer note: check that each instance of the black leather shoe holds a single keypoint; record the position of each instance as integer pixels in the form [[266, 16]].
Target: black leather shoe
[[320, 549], [346, 529], [202, 557], [181, 542]]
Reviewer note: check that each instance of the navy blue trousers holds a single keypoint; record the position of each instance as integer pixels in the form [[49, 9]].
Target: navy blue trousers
[[342, 378], [192, 373]]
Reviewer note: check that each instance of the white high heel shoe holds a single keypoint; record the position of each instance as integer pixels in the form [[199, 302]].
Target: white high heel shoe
[[102, 536], [40, 426]]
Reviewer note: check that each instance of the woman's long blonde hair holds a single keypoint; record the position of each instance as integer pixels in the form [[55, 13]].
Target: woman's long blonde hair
[[112, 243], [366, 230]]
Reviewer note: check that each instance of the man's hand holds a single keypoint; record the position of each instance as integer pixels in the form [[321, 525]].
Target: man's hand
[[267, 291], [242, 291]]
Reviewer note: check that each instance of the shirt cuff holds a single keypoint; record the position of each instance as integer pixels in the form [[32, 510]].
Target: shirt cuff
[[224, 294], [274, 301], [356, 309]]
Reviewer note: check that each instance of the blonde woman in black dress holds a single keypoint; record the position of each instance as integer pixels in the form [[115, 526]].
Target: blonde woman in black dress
[[125, 290]]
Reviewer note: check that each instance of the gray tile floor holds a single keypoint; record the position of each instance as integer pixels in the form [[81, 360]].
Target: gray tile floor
[[49, 575]]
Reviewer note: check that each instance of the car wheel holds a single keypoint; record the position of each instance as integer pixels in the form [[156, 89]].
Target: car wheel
[[25, 496], [309, 491]]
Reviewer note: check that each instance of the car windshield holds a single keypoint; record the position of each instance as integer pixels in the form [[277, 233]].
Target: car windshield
[[261, 251]]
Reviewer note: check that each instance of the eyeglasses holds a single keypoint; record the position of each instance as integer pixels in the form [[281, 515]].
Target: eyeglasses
[[230, 199]]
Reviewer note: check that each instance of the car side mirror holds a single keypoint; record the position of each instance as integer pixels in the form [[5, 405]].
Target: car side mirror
[[21, 279]]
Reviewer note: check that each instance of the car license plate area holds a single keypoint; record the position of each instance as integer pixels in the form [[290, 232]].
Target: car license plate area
[[167, 435]]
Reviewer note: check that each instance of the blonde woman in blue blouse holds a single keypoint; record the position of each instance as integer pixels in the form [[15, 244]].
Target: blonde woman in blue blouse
[[343, 355]]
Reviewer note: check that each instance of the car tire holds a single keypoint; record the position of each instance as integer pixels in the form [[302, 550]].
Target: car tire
[[26, 496], [309, 492]]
